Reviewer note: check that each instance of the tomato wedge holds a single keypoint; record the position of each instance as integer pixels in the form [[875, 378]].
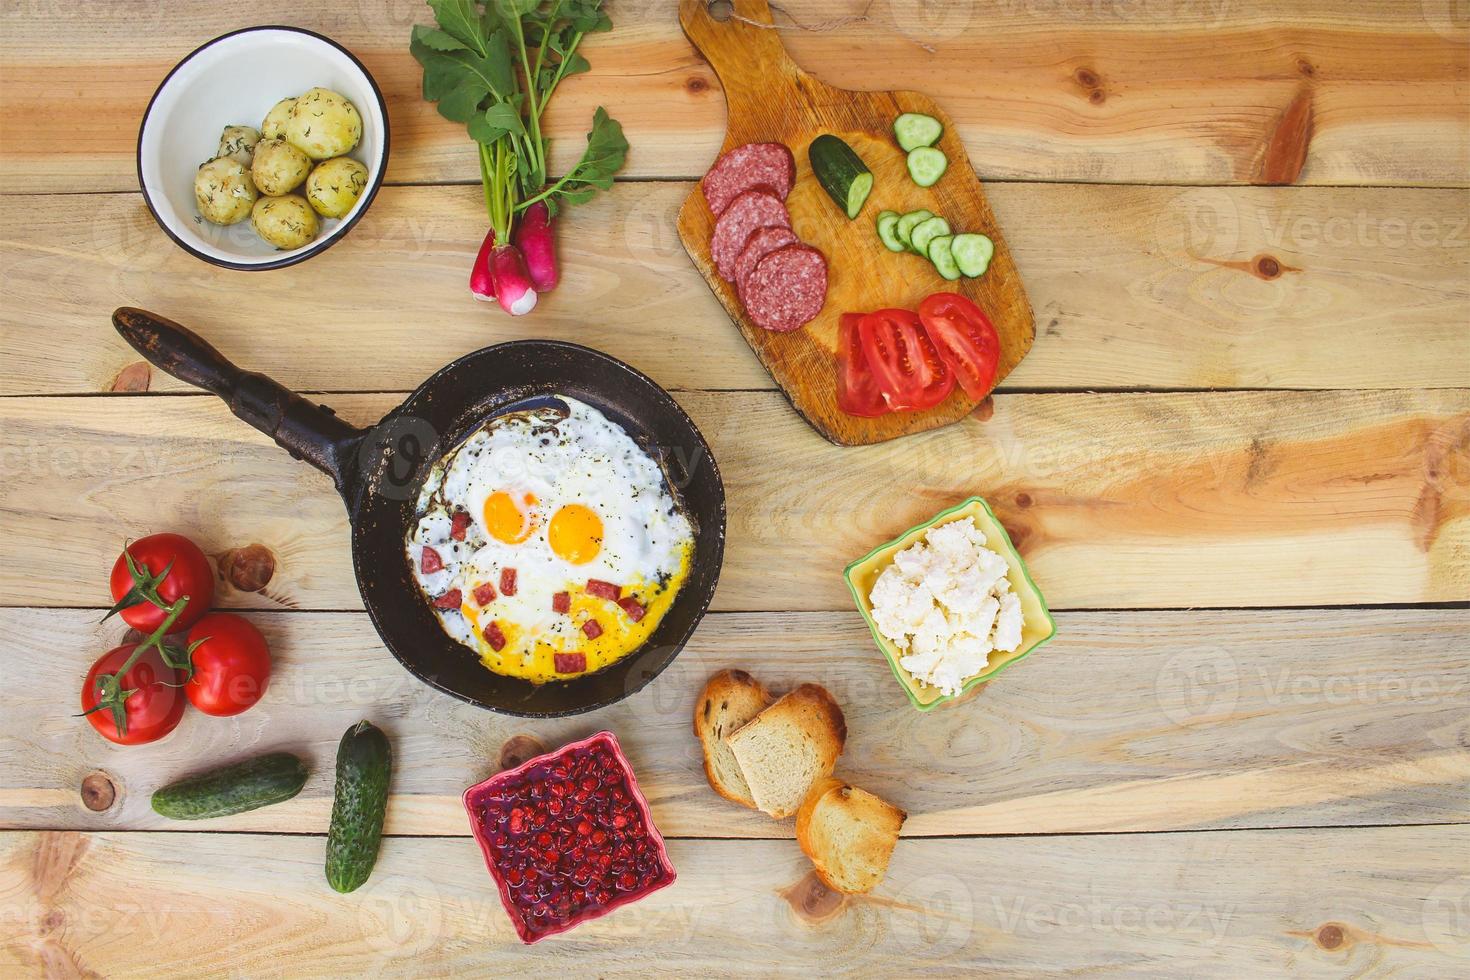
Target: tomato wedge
[[966, 339], [903, 360], [857, 392]]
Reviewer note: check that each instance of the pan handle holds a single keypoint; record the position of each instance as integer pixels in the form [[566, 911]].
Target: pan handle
[[304, 429]]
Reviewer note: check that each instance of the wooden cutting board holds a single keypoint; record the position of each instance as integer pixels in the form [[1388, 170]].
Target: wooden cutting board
[[770, 99]]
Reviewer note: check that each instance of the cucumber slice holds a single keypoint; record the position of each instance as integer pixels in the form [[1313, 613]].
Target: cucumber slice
[[914, 129], [926, 231], [841, 172], [927, 165], [972, 253], [908, 222], [887, 225], [941, 253]]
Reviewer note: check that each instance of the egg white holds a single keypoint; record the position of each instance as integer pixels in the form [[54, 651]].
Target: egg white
[[583, 458]]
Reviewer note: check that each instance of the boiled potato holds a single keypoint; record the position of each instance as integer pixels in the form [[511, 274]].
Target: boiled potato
[[279, 167], [286, 222], [323, 124], [238, 143], [224, 191], [335, 185], [274, 126]]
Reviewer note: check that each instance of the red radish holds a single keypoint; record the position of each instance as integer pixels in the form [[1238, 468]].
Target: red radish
[[533, 236], [513, 286], [482, 279]]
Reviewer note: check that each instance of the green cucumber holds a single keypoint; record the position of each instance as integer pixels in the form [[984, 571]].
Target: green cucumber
[[235, 788], [841, 172], [364, 763], [914, 129], [942, 255], [907, 223], [972, 253], [926, 231], [927, 165], [887, 231]]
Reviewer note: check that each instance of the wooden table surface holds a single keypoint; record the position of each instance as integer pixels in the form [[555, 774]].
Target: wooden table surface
[[1237, 461]]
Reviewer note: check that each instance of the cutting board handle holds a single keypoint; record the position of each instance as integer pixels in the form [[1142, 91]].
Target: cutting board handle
[[745, 50]]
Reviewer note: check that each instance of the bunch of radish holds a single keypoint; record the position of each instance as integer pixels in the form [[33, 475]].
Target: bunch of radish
[[493, 67], [514, 274]]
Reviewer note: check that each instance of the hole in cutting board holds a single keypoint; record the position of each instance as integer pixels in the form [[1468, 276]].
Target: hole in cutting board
[[721, 10]]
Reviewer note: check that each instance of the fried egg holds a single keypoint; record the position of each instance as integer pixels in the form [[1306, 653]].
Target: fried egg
[[549, 543]]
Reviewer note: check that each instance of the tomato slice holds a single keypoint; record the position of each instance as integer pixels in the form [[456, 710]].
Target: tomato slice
[[904, 362], [966, 339], [857, 392]]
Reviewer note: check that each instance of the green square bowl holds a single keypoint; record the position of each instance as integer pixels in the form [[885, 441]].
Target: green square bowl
[[1037, 624]]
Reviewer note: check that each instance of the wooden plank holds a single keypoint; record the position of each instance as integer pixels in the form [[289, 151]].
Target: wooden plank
[[1126, 722], [1116, 501], [1211, 92], [1202, 905], [1371, 289]]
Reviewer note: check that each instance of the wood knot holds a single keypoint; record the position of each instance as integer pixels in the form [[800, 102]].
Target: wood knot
[[1266, 267], [695, 85], [1088, 79], [99, 792], [1287, 143], [1329, 936], [135, 377], [248, 569], [812, 900], [518, 750], [1023, 500], [52, 921]]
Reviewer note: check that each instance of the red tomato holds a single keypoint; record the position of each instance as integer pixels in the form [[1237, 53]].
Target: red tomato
[[857, 392], [966, 339], [903, 361], [191, 575], [152, 711], [232, 666]]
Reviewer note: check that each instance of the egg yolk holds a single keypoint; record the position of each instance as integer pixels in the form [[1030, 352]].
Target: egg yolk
[[575, 534], [510, 518]]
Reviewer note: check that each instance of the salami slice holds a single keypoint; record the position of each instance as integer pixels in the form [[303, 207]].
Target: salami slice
[[749, 211], [767, 165], [762, 242], [787, 289]]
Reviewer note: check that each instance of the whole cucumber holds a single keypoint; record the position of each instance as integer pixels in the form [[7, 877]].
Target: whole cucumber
[[364, 763], [235, 788]]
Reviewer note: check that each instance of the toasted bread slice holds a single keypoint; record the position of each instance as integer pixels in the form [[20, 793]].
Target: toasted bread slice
[[788, 747], [849, 834], [729, 701]]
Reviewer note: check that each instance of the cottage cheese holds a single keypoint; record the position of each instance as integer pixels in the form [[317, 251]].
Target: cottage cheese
[[946, 603]]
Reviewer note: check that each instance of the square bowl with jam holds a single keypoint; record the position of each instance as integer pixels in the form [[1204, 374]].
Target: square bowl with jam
[[568, 837]]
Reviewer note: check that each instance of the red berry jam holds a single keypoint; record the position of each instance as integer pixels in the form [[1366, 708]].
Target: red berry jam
[[568, 837]]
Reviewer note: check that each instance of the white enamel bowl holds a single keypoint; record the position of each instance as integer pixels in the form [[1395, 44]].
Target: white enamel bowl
[[234, 80]]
